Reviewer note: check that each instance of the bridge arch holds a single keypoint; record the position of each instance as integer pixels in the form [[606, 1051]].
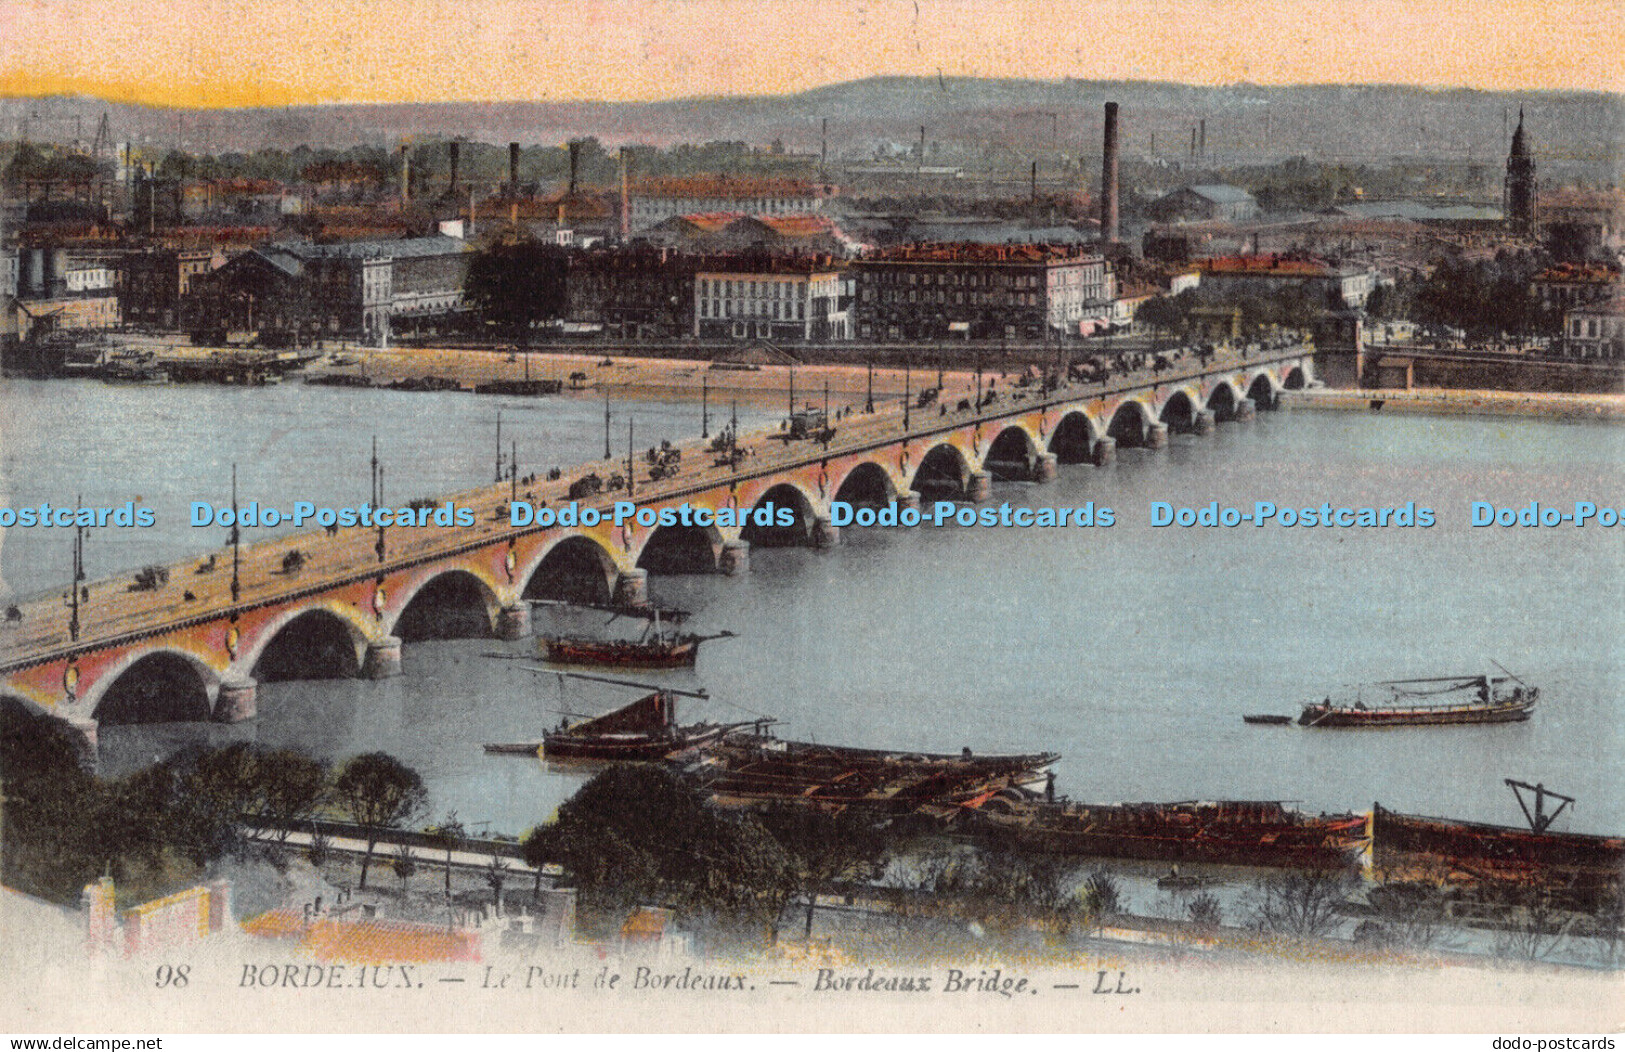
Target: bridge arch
[[867, 485], [155, 686], [1073, 440], [325, 641], [943, 474], [1262, 391], [452, 604], [674, 550], [1297, 378], [1223, 400], [1013, 454], [778, 534], [1179, 411], [574, 569], [1130, 422]]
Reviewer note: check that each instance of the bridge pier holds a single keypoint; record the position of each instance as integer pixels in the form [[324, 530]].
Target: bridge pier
[[237, 701], [980, 489], [825, 534], [1046, 467], [908, 499], [632, 588], [513, 622], [1156, 436], [1105, 451], [735, 558], [1246, 409], [84, 740], [1205, 422], [383, 658]]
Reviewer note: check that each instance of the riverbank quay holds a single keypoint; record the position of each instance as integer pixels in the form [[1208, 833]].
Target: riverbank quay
[[1603, 408]]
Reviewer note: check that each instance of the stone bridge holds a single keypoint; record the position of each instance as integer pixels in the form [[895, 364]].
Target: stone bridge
[[194, 647]]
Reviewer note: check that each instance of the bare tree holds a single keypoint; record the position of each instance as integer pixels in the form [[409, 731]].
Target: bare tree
[[1302, 902]]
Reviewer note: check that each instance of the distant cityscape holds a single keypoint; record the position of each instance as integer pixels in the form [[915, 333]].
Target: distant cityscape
[[728, 242]]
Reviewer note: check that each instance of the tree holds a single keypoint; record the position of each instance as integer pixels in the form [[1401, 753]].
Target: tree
[[378, 792], [516, 286], [292, 787], [534, 849], [636, 834], [826, 848], [1303, 902], [403, 864], [447, 834]]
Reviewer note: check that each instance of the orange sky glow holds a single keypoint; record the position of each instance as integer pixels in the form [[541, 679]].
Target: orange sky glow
[[211, 53]]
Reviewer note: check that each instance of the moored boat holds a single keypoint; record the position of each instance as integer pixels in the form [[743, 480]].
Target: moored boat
[[1417, 703], [757, 770], [1235, 832], [660, 645], [1584, 869], [645, 730]]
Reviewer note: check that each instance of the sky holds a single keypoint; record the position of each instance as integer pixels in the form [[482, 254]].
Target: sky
[[209, 53]]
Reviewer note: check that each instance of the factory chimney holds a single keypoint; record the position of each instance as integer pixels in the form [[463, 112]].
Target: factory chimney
[[1201, 149], [575, 161], [406, 175], [513, 169], [1108, 178], [626, 197], [453, 150]]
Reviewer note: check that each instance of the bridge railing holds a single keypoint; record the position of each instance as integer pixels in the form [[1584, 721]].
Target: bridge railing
[[117, 611]]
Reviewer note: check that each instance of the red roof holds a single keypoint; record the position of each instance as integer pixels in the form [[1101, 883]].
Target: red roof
[[1266, 265], [725, 186], [1593, 273]]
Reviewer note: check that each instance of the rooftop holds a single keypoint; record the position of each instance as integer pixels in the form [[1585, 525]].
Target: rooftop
[[975, 252], [1221, 193], [728, 187]]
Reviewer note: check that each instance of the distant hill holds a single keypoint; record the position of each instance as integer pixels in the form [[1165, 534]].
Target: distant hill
[[963, 118]]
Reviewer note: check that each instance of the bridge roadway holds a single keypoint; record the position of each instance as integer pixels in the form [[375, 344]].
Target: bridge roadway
[[195, 614]]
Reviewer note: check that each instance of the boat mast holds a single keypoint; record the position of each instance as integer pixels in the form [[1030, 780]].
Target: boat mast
[[1539, 820]]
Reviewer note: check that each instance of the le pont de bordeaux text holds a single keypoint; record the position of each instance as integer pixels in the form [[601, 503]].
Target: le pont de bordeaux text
[[942, 513]]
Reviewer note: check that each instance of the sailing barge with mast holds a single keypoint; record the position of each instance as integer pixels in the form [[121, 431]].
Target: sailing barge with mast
[[1433, 701], [661, 645]]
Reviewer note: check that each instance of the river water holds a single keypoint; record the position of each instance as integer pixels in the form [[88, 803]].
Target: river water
[[1133, 651]]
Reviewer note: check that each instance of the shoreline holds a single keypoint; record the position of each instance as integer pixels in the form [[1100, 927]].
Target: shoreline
[[1600, 408]]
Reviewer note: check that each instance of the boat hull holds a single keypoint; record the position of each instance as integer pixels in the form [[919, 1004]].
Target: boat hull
[[627, 748], [1334, 716], [616, 654], [752, 771], [1239, 833], [1583, 868]]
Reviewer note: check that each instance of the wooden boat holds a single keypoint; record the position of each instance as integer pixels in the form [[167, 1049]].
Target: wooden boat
[[1408, 703], [1583, 869], [670, 650], [1266, 718], [660, 645], [756, 770], [642, 731], [1235, 832]]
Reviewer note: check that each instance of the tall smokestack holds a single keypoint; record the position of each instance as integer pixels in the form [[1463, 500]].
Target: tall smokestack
[[1108, 178], [406, 176], [922, 146], [823, 151], [513, 169], [1193, 141], [453, 150], [626, 197], [1034, 184], [575, 161], [1201, 148]]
